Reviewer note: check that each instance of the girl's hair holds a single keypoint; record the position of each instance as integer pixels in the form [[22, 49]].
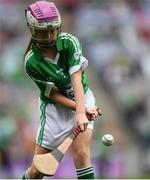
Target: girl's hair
[[28, 47]]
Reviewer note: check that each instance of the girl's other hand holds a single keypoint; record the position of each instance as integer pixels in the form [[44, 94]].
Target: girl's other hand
[[92, 113]]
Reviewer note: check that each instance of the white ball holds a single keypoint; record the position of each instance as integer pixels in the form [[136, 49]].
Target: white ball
[[107, 139]]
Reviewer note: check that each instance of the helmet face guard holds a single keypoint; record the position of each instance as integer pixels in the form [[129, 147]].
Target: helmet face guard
[[45, 37], [44, 22]]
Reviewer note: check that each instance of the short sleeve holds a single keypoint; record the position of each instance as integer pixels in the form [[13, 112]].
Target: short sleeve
[[76, 60], [44, 86]]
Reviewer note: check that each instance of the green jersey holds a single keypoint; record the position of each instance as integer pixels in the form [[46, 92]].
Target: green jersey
[[48, 74]]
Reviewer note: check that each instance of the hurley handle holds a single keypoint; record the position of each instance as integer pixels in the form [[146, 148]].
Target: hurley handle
[[63, 147], [76, 131]]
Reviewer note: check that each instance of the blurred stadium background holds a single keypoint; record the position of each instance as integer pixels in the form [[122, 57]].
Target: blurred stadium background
[[116, 40]]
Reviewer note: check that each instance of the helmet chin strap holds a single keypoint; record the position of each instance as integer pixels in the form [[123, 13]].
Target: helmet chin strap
[[42, 45], [46, 45]]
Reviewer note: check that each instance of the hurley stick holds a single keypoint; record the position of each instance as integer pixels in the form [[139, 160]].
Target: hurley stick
[[49, 162]]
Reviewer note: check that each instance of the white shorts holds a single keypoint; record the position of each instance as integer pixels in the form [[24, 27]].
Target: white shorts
[[57, 122]]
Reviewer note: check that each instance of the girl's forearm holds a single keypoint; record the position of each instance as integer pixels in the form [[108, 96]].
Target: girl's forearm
[[58, 98], [78, 91]]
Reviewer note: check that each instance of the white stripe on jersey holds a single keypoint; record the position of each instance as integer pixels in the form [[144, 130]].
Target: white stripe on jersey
[[74, 41], [26, 59], [29, 54]]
